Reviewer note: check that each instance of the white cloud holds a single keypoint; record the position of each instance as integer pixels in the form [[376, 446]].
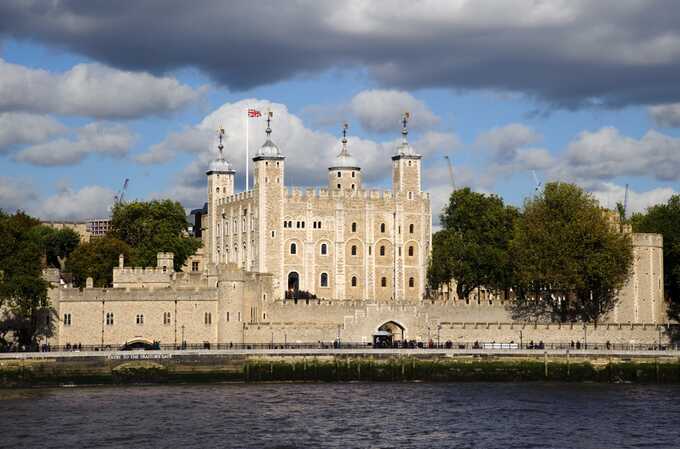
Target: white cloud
[[606, 153], [91, 90], [308, 152], [88, 202], [95, 138], [16, 194], [190, 140], [505, 141], [665, 115], [66, 204], [21, 128], [608, 194], [382, 110]]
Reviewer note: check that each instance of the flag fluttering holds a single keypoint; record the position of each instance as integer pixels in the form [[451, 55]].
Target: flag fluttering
[[254, 113]]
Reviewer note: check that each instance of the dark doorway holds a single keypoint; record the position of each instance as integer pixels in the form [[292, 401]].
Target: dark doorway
[[293, 282], [395, 329]]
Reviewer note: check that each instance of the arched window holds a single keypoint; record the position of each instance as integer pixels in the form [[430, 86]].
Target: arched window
[[339, 174], [338, 186], [410, 228], [324, 249], [410, 251], [352, 186], [293, 248], [411, 282], [354, 227], [354, 250], [218, 190], [354, 281], [382, 250], [382, 227], [324, 279], [383, 282], [353, 175]]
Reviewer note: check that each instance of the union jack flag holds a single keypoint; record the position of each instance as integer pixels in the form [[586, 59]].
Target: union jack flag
[[254, 113]]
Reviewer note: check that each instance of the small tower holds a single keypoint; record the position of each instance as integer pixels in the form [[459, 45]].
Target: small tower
[[220, 185], [345, 173], [270, 193], [406, 165]]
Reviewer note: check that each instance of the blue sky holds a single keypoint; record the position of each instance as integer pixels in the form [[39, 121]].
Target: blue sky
[[566, 90]]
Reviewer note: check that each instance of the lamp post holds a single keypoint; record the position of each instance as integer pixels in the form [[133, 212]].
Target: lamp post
[[585, 336], [439, 327], [520, 340], [184, 343]]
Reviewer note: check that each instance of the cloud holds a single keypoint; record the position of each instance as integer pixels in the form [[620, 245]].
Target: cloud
[[21, 128], [92, 90], [504, 142], [16, 194], [190, 140], [66, 204], [666, 115], [95, 138], [567, 53], [608, 194], [381, 110], [606, 153]]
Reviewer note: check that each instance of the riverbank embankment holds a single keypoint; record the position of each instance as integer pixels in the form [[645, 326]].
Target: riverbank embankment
[[330, 365]]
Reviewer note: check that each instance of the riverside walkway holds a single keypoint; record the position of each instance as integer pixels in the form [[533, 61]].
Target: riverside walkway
[[334, 352]]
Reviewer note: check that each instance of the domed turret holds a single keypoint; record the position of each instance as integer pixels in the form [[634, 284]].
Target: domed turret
[[220, 165], [345, 172], [404, 149], [269, 148]]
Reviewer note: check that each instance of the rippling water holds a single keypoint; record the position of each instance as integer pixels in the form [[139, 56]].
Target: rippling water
[[366, 415]]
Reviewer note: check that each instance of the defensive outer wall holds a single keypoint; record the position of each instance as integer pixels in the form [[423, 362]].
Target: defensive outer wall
[[124, 367]]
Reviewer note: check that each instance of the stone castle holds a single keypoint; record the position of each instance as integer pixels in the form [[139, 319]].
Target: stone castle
[[282, 265]]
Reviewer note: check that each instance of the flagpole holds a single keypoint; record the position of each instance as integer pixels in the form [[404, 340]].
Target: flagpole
[[247, 159]]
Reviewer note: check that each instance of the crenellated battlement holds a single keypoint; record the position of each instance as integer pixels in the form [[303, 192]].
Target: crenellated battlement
[[305, 193], [250, 194]]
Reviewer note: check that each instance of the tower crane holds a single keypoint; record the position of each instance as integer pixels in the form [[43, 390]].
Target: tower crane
[[625, 203], [120, 196], [448, 160], [537, 183]]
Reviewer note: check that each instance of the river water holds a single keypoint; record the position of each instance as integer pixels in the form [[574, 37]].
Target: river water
[[362, 415]]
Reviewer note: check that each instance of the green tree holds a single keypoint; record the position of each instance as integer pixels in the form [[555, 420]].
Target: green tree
[[96, 259], [569, 261], [23, 292], [664, 219], [152, 227], [59, 244], [473, 247]]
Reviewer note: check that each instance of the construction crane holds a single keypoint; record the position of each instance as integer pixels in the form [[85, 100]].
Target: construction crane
[[120, 196], [625, 203], [537, 183], [448, 160]]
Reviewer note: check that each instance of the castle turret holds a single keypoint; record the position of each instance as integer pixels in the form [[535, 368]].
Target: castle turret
[[220, 185], [406, 165], [345, 173], [269, 191]]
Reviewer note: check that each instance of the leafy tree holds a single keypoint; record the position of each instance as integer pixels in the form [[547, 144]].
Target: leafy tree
[[665, 219], [23, 292], [569, 261], [152, 227], [473, 246], [96, 259], [59, 244]]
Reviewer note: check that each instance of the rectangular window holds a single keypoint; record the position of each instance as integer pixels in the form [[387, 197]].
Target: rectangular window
[[109, 319], [67, 319], [140, 319], [227, 317], [194, 266], [207, 319], [167, 318]]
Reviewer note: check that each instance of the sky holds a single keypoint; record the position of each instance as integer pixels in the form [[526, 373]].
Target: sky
[[514, 92]]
